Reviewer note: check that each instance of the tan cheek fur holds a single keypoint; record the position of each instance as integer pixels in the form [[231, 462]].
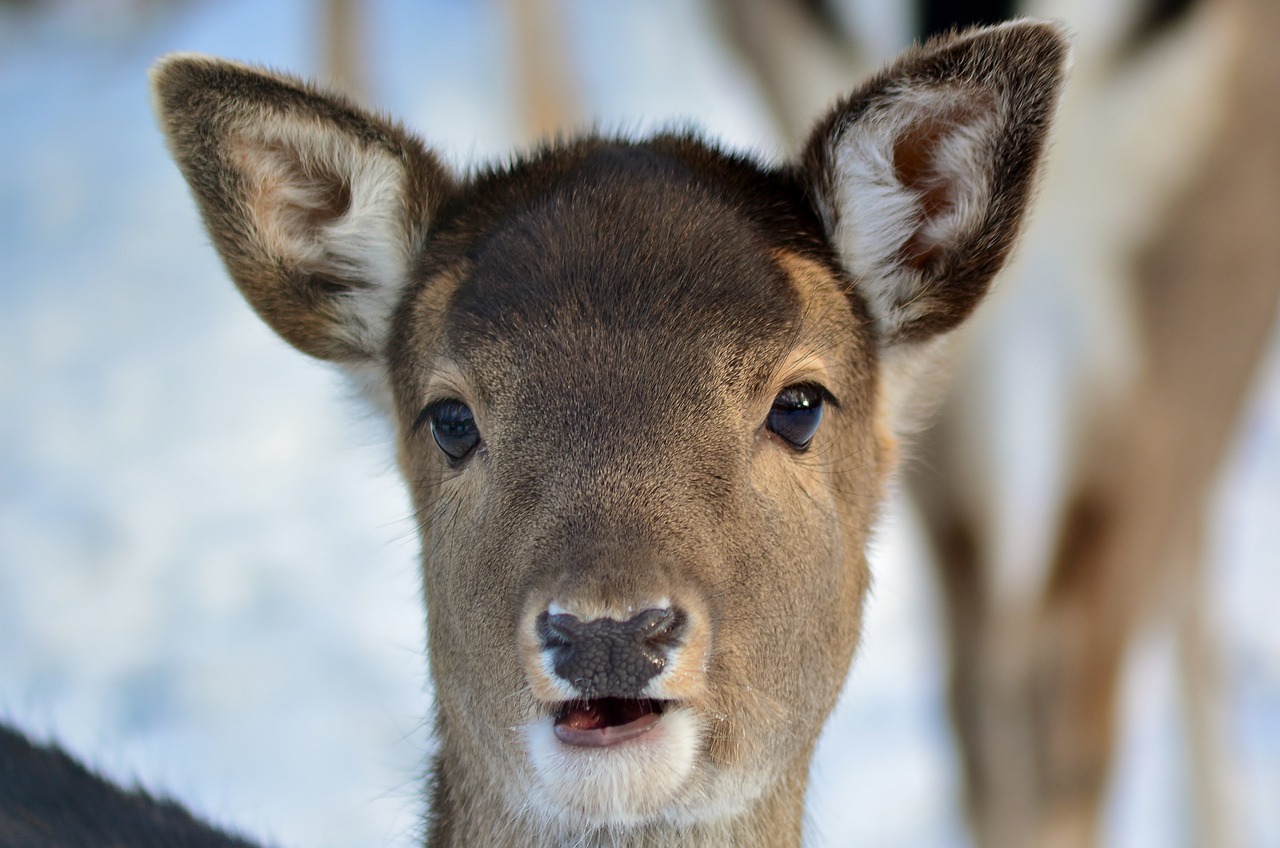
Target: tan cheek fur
[[835, 488]]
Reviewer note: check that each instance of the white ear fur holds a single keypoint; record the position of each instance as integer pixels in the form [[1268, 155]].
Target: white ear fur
[[332, 207], [894, 214]]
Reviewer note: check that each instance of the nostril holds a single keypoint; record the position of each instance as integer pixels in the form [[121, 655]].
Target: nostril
[[660, 628], [557, 631], [560, 634]]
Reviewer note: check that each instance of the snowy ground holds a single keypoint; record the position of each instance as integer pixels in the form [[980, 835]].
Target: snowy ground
[[207, 578]]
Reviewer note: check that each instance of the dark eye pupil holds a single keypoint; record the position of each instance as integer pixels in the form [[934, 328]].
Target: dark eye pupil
[[454, 428], [796, 414]]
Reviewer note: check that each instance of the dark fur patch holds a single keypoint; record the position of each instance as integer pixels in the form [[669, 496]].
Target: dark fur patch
[[48, 800], [1158, 17], [939, 17]]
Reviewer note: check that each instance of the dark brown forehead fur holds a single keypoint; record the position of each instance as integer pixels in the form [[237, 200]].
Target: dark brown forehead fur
[[641, 257]]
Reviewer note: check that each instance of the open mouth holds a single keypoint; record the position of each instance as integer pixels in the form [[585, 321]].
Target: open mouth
[[600, 722]]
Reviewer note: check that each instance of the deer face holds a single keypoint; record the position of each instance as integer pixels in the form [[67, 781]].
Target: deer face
[[641, 437], [646, 397]]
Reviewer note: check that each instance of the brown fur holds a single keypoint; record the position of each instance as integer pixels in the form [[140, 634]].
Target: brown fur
[[620, 317]]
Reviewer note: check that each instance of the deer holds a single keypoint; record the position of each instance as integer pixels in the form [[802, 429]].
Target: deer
[[648, 396]]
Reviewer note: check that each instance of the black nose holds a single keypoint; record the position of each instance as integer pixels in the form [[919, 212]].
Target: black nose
[[607, 658]]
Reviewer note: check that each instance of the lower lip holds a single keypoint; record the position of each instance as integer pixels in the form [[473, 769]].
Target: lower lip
[[605, 737]]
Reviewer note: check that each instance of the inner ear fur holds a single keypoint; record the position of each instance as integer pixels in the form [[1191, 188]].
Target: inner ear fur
[[316, 206], [923, 175]]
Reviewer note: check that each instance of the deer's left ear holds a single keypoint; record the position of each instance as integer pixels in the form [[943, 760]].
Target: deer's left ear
[[922, 176]]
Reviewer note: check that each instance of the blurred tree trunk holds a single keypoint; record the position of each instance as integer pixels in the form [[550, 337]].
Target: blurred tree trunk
[[343, 48], [546, 86]]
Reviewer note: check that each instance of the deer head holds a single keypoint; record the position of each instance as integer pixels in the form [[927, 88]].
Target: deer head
[[647, 397]]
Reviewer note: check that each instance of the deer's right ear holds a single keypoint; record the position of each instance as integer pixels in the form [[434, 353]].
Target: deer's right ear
[[318, 208]]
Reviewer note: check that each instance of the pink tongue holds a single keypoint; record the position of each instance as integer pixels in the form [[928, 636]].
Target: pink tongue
[[604, 722], [583, 717]]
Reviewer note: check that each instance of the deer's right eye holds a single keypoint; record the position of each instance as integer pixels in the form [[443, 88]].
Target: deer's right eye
[[454, 428]]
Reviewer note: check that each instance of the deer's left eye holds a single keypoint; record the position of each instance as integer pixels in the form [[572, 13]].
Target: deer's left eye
[[796, 414]]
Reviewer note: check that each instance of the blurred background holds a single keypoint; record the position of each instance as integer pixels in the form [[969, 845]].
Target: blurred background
[[207, 572]]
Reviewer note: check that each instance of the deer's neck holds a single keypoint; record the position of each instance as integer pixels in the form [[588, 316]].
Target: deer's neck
[[469, 812]]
